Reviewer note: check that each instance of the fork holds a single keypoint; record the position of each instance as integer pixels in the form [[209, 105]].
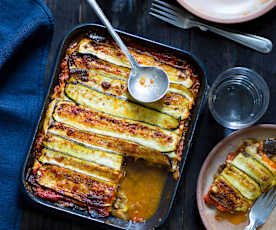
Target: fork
[[185, 20], [262, 209]]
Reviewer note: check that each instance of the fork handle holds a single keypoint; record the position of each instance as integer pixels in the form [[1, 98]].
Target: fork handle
[[258, 43], [251, 226]]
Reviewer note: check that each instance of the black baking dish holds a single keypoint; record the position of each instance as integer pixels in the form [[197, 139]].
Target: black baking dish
[[171, 184]]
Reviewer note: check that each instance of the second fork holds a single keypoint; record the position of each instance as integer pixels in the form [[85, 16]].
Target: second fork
[[184, 20]]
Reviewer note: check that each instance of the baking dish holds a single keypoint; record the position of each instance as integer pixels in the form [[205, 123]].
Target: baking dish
[[171, 184]]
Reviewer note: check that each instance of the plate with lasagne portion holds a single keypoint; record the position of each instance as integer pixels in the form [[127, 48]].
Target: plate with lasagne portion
[[236, 172], [100, 154]]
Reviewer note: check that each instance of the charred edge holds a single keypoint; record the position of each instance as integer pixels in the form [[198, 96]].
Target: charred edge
[[164, 57], [98, 117], [63, 77]]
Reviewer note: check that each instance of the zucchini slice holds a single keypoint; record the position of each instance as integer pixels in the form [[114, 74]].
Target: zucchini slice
[[90, 63], [106, 143], [243, 183], [59, 144], [101, 123], [172, 103], [255, 170], [226, 197], [253, 149], [48, 118], [115, 106], [114, 55], [81, 166], [75, 185], [86, 65]]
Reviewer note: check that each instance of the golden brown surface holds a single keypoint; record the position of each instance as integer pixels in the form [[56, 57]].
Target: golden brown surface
[[101, 123], [88, 97], [82, 166], [78, 186], [116, 145], [94, 132], [114, 55], [176, 102], [243, 177], [226, 197]]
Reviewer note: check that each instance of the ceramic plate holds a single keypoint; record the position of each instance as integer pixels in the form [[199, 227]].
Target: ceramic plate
[[215, 158], [228, 11]]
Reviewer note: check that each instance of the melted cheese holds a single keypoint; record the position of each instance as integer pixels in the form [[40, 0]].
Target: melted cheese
[[106, 143], [255, 170], [76, 185], [81, 166], [114, 55], [99, 157], [243, 183], [227, 196], [104, 124], [118, 107], [172, 103]]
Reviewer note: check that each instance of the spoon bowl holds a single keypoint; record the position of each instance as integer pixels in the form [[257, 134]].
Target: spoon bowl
[[147, 84]]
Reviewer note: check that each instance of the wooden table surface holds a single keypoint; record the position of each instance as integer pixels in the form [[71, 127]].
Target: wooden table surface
[[217, 54]]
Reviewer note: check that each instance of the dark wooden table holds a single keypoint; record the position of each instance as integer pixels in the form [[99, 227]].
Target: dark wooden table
[[216, 53]]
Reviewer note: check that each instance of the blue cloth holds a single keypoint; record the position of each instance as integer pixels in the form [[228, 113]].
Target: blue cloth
[[26, 28]]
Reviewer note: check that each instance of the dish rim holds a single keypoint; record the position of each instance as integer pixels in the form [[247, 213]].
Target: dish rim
[[228, 21], [71, 212], [208, 159]]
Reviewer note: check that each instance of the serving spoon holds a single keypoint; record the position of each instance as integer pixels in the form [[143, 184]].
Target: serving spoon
[[145, 83]]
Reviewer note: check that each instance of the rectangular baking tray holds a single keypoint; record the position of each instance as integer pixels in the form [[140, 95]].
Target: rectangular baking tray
[[171, 185]]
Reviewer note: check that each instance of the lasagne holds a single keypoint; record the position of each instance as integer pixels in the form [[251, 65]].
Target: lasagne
[[93, 125], [245, 175]]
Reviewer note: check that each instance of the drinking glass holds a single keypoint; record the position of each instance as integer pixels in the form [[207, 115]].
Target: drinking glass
[[238, 98]]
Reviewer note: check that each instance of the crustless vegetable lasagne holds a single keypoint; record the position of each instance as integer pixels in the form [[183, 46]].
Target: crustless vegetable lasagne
[[93, 126], [244, 176]]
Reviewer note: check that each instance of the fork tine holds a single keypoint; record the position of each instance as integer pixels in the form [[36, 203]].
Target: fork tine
[[163, 14], [168, 6], [164, 9], [162, 18]]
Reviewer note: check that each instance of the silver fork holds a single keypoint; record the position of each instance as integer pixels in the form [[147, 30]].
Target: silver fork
[[185, 20], [262, 209]]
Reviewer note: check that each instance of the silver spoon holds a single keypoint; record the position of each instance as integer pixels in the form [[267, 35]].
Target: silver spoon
[[145, 83]]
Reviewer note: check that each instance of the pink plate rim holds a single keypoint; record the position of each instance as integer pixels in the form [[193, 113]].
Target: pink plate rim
[[199, 194], [241, 19]]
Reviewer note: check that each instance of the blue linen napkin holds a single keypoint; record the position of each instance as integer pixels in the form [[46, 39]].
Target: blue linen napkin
[[26, 28]]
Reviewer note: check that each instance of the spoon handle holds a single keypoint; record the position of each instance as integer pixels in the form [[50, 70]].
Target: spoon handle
[[113, 33]]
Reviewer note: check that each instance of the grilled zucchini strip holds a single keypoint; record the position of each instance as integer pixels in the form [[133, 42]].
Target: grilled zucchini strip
[[226, 197], [253, 149], [59, 144], [106, 143], [76, 185], [243, 183], [81, 166], [48, 117], [115, 106], [87, 64], [114, 55], [101, 123], [255, 170], [172, 103]]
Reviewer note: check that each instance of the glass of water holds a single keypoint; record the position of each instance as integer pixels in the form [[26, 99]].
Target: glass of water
[[238, 98]]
